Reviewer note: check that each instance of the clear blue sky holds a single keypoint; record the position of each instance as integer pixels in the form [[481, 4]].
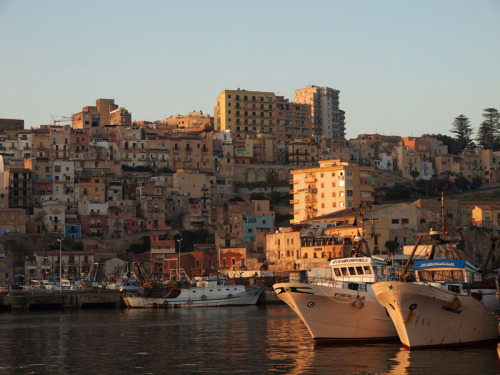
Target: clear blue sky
[[402, 67]]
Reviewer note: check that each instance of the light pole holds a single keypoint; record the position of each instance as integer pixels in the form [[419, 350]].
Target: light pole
[[60, 263], [179, 263]]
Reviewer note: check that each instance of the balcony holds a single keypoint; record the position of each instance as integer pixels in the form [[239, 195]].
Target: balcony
[[292, 182], [310, 179], [294, 201]]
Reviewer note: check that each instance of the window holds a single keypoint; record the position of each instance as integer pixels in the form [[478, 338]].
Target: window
[[405, 221], [395, 221]]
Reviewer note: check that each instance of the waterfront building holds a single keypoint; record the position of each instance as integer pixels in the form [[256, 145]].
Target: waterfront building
[[41, 143], [328, 119], [334, 185], [161, 250], [75, 264]]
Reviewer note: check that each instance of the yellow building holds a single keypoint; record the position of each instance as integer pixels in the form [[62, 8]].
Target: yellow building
[[486, 216], [245, 113], [335, 185]]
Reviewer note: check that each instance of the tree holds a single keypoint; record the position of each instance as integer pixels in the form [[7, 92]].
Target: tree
[[477, 181], [272, 179], [461, 182], [463, 129], [488, 130], [414, 174], [391, 246], [399, 192]]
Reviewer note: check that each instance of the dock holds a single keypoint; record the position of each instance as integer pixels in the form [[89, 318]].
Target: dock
[[29, 300]]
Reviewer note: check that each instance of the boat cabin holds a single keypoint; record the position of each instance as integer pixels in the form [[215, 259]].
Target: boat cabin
[[360, 270], [452, 271]]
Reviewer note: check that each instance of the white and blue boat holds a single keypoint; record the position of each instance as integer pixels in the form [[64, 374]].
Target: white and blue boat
[[448, 303]]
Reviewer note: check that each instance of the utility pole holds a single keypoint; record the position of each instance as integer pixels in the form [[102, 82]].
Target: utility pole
[[60, 263]]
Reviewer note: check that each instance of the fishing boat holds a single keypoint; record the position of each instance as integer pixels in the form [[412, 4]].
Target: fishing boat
[[209, 292], [342, 307], [447, 303]]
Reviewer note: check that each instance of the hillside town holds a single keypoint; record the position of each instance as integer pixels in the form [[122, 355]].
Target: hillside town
[[266, 183]]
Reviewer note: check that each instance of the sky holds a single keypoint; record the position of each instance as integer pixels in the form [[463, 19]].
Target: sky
[[402, 67]]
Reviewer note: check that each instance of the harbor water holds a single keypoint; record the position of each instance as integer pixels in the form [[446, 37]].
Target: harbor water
[[266, 339]]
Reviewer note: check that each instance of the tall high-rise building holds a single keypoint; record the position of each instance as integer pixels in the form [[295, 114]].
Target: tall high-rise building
[[328, 119], [248, 114], [245, 113]]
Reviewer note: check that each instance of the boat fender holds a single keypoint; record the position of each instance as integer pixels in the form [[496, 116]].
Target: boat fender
[[359, 303], [456, 304], [189, 302], [203, 297], [229, 296]]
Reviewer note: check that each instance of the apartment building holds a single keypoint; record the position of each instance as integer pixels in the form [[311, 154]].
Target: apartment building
[[303, 153], [334, 185], [63, 189], [19, 180], [151, 203], [293, 120], [409, 162], [245, 113], [328, 120], [242, 224], [93, 119], [42, 170], [11, 124], [60, 143], [192, 152], [191, 120]]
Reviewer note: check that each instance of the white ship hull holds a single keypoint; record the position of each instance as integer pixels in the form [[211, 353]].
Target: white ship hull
[[427, 316], [333, 314], [199, 297]]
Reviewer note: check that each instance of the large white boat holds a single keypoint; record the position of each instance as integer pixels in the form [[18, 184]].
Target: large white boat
[[207, 293], [342, 307], [447, 303]]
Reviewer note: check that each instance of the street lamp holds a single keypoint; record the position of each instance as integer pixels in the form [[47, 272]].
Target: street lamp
[[179, 263], [60, 263]]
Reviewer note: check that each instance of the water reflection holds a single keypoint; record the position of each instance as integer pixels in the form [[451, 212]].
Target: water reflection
[[246, 340]]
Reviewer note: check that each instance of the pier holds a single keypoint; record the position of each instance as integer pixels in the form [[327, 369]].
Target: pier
[[27, 300]]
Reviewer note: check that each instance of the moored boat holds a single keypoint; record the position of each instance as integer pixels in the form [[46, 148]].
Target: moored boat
[[447, 303], [209, 294], [342, 307]]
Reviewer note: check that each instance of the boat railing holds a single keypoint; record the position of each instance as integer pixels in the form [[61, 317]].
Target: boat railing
[[341, 284]]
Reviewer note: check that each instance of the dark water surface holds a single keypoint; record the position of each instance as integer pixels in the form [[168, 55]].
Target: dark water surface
[[225, 340]]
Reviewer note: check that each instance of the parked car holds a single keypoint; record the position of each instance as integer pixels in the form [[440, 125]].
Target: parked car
[[129, 286]]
